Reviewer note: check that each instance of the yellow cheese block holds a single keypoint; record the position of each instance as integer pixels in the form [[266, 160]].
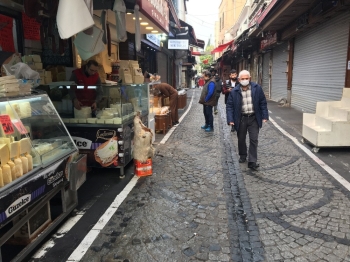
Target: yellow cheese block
[[25, 146], [4, 152], [14, 149], [24, 164], [13, 170], [30, 162], [6, 174], [19, 167], [1, 178]]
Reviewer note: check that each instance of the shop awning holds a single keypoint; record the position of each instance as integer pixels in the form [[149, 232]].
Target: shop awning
[[222, 47]]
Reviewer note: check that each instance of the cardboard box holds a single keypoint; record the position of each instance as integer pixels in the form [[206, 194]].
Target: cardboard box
[[27, 59], [138, 79], [38, 66], [48, 74], [48, 80], [41, 72], [143, 169], [36, 58]]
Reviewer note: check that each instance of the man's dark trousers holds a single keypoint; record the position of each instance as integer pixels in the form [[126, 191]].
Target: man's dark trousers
[[250, 125], [208, 115]]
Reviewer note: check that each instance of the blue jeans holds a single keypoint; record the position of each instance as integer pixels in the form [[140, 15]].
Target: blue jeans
[[208, 115]]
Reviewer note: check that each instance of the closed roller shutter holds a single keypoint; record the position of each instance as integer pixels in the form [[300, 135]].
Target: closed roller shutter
[[266, 74], [279, 68], [319, 63]]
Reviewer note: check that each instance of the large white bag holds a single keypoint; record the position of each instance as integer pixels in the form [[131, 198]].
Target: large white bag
[[73, 16]]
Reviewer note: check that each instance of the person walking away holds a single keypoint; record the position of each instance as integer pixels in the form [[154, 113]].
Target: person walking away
[[201, 82], [230, 84], [166, 90], [246, 110], [218, 89], [86, 76], [208, 100]]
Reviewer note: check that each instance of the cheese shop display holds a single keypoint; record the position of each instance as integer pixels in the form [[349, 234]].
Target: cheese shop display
[[105, 135], [32, 137]]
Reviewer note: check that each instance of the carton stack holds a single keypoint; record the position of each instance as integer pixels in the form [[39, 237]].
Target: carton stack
[[136, 72], [124, 72]]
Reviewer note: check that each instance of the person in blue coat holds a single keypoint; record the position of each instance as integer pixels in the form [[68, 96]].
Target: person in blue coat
[[246, 110]]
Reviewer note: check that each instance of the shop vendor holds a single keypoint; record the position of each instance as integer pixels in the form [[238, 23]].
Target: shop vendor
[[91, 92], [166, 90]]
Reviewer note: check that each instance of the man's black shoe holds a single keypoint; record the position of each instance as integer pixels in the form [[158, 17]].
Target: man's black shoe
[[253, 165], [241, 160]]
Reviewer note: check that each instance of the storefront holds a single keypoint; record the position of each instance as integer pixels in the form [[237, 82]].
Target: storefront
[[320, 56], [266, 73]]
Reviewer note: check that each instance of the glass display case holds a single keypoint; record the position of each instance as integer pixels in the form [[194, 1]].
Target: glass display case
[[116, 104], [110, 126], [32, 137]]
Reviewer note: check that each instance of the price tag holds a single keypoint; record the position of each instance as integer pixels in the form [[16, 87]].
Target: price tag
[[6, 124], [19, 126]]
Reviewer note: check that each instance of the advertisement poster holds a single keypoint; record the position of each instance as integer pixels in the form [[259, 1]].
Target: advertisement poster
[[108, 147], [26, 194]]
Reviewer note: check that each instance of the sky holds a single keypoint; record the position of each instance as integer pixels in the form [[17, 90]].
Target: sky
[[201, 15]]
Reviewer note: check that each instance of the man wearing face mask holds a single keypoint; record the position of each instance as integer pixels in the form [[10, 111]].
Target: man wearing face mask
[[246, 110], [230, 84]]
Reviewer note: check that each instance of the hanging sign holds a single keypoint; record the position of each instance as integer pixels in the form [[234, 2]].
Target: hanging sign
[[157, 11], [20, 127], [179, 44]]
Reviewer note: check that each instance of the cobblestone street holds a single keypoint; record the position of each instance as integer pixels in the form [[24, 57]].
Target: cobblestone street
[[200, 204]]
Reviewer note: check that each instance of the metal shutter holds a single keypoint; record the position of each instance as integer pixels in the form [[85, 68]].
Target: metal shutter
[[319, 63], [266, 74], [279, 68], [162, 66]]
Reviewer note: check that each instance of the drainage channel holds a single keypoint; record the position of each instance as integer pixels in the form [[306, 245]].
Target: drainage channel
[[245, 244]]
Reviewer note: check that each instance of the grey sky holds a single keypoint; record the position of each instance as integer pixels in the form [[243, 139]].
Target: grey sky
[[201, 15]]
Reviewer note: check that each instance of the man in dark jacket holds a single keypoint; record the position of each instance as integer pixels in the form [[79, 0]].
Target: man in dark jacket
[[230, 84], [218, 88], [208, 99], [246, 110]]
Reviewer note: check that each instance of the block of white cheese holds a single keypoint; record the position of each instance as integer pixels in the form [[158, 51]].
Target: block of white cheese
[[14, 149], [91, 120], [25, 146]]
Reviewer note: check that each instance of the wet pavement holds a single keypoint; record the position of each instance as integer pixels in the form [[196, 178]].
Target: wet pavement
[[200, 204]]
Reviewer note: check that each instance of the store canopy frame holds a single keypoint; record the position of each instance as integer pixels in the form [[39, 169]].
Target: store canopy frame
[[222, 47]]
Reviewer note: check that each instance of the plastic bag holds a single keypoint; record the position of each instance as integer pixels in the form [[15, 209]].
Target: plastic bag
[[23, 71], [119, 8]]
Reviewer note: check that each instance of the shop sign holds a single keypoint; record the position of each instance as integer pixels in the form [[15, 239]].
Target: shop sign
[[179, 44], [269, 39], [157, 11], [155, 39]]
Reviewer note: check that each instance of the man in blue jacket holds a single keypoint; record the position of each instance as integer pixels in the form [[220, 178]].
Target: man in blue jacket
[[246, 110], [208, 99]]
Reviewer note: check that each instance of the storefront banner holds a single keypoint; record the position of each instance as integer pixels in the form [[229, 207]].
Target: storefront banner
[[179, 44], [31, 28], [37, 187], [269, 39], [155, 39], [157, 11]]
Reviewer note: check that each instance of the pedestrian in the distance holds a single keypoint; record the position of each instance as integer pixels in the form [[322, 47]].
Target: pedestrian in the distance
[[218, 89], [246, 110], [208, 100], [201, 82], [230, 84]]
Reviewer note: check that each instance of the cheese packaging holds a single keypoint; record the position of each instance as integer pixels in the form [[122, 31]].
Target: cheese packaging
[[41, 72], [27, 58], [48, 80], [48, 74]]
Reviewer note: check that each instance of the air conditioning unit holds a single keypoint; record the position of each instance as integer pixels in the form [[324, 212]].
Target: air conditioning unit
[[13, 4]]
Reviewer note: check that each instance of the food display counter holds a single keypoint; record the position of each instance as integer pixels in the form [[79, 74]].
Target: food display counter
[[105, 135], [36, 154]]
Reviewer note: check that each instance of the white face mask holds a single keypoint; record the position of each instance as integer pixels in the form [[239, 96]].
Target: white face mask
[[244, 82]]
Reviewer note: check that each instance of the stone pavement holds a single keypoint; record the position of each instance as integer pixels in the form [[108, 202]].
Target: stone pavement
[[202, 205]]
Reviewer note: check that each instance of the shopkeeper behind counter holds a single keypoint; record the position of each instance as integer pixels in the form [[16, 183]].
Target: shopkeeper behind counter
[[86, 76]]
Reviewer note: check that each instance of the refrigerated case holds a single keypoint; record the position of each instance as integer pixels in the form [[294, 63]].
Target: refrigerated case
[[106, 135], [36, 154]]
